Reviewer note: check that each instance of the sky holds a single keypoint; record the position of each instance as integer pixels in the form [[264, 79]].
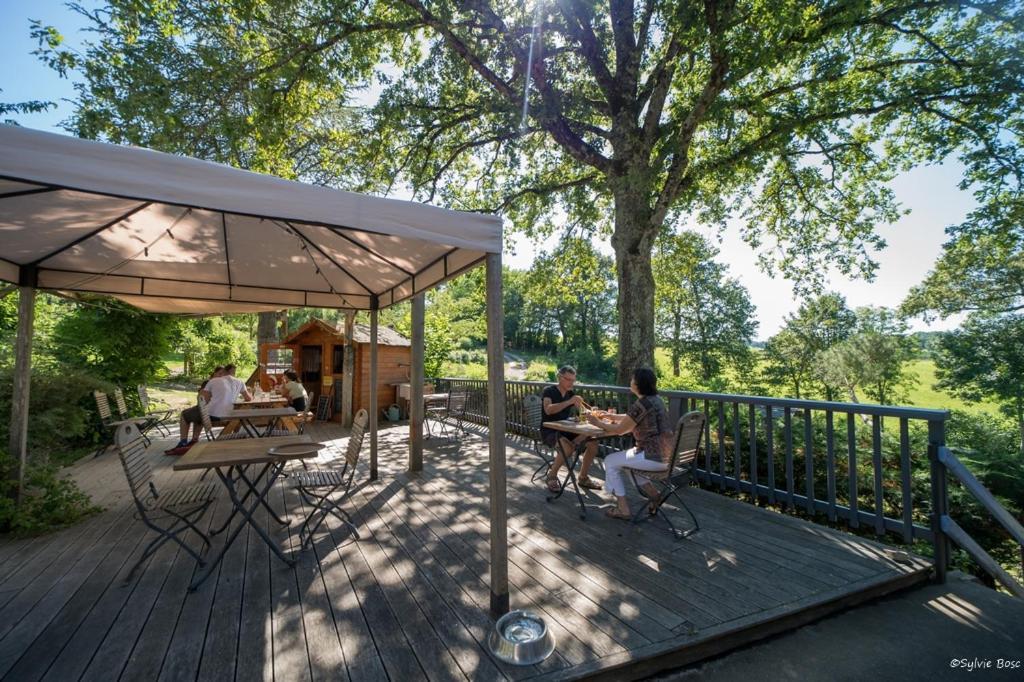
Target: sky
[[914, 242]]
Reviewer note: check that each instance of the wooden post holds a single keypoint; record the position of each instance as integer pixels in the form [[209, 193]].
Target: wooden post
[[348, 377], [416, 386], [374, 409], [496, 433], [18, 445]]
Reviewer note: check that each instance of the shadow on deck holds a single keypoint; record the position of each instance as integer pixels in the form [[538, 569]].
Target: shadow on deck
[[409, 599]]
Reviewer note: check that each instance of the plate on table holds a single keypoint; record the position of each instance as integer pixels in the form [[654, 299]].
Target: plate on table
[[296, 449]]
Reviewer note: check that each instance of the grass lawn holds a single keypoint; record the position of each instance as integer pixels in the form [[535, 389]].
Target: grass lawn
[[923, 395]]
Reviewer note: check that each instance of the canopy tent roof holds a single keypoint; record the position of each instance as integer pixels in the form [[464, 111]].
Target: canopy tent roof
[[172, 234]]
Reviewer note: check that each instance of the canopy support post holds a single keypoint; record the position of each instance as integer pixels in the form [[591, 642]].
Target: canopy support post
[[374, 407], [349, 371], [416, 385], [496, 437], [18, 445]]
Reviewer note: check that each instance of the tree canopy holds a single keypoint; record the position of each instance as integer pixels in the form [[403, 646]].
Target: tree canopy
[[790, 114]]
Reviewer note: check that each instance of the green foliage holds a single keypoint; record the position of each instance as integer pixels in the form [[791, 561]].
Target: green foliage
[[50, 501], [114, 341], [985, 359], [790, 355], [703, 316], [872, 360], [62, 409], [437, 343]]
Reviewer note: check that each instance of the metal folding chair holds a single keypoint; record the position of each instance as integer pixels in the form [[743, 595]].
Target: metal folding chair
[[108, 424], [677, 475], [169, 514], [161, 416], [534, 409], [310, 484], [146, 423], [451, 414]]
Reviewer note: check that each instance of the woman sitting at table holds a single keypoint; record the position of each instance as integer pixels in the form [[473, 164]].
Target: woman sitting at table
[[647, 419], [294, 391]]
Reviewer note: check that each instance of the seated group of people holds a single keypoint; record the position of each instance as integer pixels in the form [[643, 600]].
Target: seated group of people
[[647, 419], [219, 392]]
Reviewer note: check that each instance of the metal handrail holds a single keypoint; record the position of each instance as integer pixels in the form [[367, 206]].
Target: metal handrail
[[989, 502]]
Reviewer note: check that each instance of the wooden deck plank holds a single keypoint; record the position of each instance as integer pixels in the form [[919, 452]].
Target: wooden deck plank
[[358, 647], [463, 588], [389, 557], [39, 646], [255, 658], [291, 655], [113, 653], [410, 599]]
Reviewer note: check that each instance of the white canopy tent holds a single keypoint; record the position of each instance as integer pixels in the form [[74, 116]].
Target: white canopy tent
[[177, 235]]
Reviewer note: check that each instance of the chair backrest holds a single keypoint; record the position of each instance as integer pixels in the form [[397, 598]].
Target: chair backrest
[[689, 432], [102, 405], [457, 402], [355, 438], [204, 413], [143, 397], [131, 450], [122, 406], [534, 409]]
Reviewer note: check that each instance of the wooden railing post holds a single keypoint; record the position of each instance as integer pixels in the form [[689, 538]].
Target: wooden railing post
[[940, 501]]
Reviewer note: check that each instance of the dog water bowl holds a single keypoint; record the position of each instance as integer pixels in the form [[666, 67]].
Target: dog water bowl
[[521, 638]]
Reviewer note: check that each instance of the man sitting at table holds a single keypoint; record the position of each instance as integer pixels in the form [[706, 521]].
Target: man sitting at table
[[220, 393], [558, 401], [192, 417]]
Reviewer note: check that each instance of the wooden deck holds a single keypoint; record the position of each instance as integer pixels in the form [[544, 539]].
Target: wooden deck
[[409, 600]]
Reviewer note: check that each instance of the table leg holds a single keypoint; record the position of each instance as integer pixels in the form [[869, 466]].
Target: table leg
[[274, 470], [579, 446], [248, 493]]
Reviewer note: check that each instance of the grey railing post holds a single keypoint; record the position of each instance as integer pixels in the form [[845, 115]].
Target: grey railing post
[[940, 502]]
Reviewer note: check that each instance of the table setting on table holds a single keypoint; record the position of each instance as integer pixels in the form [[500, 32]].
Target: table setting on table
[[584, 432]]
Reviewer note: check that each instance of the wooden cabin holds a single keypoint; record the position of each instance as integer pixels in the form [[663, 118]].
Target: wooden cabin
[[317, 353]]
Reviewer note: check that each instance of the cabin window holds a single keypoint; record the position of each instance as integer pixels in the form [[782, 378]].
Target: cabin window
[[279, 360], [338, 365], [311, 364]]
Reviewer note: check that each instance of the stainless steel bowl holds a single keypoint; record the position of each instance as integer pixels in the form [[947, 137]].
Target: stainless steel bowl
[[521, 638]]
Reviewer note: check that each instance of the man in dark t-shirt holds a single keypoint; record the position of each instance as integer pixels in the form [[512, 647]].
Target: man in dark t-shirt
[[558, 401]]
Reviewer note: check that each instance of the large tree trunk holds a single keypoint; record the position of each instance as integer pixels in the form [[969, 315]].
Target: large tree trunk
[[633, 241], [266, 329]]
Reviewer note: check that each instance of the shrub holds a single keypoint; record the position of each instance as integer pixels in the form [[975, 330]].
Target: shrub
[[61, 408], [50, 502]]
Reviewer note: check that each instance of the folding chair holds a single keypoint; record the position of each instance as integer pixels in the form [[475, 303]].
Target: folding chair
[[534, 408], [308, 415], [331, 480], [145, 423], [677, 475], [170, 514], [108, 424], [204, 413], [162, 416], [452, 413]]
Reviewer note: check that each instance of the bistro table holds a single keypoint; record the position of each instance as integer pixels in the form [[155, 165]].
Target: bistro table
[[584, 432], [274, 415], [231, 460]]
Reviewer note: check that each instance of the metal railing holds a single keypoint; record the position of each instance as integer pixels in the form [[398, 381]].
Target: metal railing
[[850, 462], [946, 462]]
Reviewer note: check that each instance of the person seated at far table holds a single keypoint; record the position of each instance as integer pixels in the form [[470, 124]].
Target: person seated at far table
[[648, 420], [192, 416], [220, 393], [279, 381], [557, 404], [294, 391]]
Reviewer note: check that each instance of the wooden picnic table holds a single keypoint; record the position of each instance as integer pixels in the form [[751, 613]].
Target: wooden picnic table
[[584, 432], [244, 418], [265, 402], [231, 460]]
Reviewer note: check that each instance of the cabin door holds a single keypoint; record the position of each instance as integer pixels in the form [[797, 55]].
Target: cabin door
[[312, 368]]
